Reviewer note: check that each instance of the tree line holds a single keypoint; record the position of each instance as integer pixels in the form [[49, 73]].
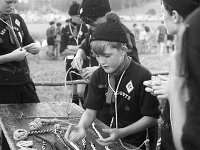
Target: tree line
[[63, 5]]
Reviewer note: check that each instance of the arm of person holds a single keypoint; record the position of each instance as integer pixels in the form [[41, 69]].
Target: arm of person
[[177, 99], [77, 62], [75, 133], [17, 55], [141, 125], [87, 72], [70, 50], [33, 48]]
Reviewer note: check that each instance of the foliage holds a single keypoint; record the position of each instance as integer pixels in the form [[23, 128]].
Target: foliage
[[63, 6]]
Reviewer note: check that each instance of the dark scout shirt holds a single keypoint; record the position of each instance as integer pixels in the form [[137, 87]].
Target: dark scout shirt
[[22, 75], [68, 39], [133, 101]]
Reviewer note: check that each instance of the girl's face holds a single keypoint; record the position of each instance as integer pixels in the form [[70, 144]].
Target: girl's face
[[169, 21], [111, 59], [7, 6]]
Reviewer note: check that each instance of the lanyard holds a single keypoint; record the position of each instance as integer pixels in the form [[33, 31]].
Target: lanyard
[[76, 38], [116, 113], [12, 30]]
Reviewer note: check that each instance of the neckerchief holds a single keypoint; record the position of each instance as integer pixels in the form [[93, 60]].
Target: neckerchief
[[7, 20], [117, 73]]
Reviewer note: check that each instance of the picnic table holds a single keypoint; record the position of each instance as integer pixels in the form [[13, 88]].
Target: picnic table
[[18, 116]]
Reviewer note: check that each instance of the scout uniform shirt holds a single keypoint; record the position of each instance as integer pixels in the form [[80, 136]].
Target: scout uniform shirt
[[14, 73], [132, 100]]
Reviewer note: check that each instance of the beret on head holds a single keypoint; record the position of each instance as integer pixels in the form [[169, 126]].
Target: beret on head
[[94, 8], [111, 30], [74, 9], [183, 7]]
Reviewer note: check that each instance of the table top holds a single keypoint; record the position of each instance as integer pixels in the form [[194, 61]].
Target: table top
[[18, 116]]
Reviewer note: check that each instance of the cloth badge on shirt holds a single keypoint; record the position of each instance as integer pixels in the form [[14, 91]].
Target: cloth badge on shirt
[[129, 87], [17, 22]]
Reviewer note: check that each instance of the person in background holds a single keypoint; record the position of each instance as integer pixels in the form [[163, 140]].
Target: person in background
[[51, 35], [93, 13], [16, 43], [174, 13], [184, 85], [108, 43], [161, 37], [71, 37], [57, 38], [136, 31], [170, 43]]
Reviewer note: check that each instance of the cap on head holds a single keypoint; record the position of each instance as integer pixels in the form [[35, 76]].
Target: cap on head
[[184, 8], [74, 9], [94, 8], [111, 30]]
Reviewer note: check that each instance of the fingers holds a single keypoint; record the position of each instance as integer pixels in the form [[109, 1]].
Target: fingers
[[26, 54], [67, 133], [147, 83], [105, 142], [163, 78], [77, 63]]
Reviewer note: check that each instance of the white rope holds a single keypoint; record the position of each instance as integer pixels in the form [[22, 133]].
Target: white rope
[[116, 114]]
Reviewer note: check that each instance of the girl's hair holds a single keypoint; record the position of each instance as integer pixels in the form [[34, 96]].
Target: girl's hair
[[98, 47]]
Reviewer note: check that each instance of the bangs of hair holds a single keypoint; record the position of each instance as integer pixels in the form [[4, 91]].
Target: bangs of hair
[[98, 47]]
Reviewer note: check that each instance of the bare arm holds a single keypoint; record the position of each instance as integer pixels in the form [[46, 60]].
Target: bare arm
[[142, 124], [78, 59], [177, 99], [75, 133], [16, 55]]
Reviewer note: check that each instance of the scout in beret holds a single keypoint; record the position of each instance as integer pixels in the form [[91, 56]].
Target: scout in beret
[[118, 83]]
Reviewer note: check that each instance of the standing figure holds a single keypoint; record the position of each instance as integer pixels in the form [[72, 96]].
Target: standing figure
[[51, 35], [71, 37], [161, 37], [16, 43]]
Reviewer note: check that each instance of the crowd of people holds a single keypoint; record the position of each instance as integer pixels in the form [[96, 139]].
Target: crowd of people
[[123, 94]]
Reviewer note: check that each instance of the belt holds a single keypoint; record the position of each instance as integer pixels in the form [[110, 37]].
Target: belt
[[13, 70]]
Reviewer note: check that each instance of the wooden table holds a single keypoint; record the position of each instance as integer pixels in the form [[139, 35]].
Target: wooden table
[[12, 119]]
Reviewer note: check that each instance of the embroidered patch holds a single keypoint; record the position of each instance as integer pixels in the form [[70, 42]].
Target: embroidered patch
[[3, 32], [129, 87], [17, 22], [81, 10]]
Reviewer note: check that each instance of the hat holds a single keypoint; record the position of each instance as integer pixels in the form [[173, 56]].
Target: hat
[[74, 9], [184, 8], [111, 30], [94, 8]]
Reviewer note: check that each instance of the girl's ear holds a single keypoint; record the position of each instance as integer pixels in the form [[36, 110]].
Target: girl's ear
[[176, 17]]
